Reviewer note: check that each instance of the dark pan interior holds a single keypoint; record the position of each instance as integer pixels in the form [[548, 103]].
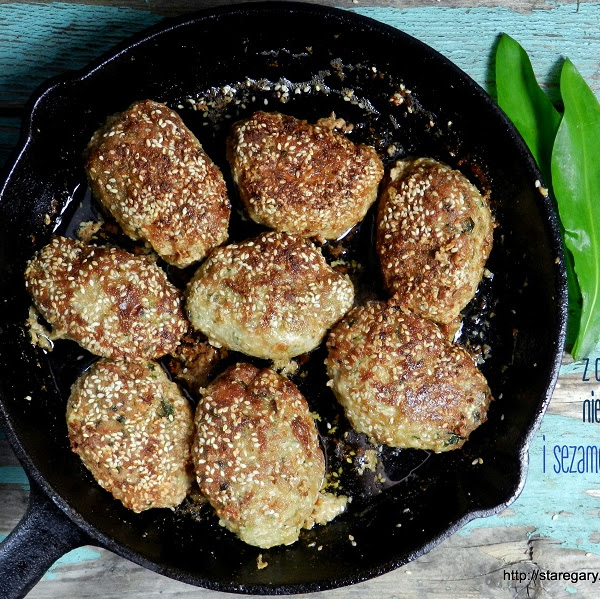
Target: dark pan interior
[[519, 312]]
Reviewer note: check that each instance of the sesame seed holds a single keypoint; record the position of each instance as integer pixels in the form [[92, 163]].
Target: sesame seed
[[324, 205], [93, 295], [166, 171]]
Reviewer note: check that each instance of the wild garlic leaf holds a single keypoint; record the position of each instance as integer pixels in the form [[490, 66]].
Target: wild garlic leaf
[[522, 99], [576, 182], [536, 119]]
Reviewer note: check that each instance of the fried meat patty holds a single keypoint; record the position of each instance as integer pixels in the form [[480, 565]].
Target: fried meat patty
[[150, 172], [402, 382], [301, 178], [272, 297], [256, 455], [112, 303], [434, 235], [133, 430]]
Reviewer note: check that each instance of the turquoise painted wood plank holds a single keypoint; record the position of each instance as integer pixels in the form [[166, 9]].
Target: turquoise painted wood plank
[[14, 475], [39, 41], [467, 37], [76, 556], [579, 366], [565, 506], [9, 135], [42, 40]]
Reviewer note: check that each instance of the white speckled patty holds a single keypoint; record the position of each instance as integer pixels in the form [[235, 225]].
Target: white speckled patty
[[402, 382], [150, 172], [256, 454], [434, 235], [272, 297], [302, 178], [112, 303], [133, 429]]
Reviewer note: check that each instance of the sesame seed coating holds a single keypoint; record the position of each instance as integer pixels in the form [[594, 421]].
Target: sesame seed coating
[[434, 235], [150, 172], [256, 455], [402, 382], [272, 297], [112, 303], [302, 178], [133, 430]]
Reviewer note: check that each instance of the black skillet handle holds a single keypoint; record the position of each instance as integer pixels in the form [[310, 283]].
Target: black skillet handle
[[42, 536]]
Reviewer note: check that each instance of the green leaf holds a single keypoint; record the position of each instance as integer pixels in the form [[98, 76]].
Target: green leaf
[[522, 99], [536, 119], [576, 182]]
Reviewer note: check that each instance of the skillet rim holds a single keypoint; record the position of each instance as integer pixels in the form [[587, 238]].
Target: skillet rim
[[354, 20]]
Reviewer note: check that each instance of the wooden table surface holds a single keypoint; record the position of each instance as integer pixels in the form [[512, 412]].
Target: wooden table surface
[[554, 525]]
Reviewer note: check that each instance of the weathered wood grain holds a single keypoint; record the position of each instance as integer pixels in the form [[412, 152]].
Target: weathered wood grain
[[13, 496], [177, 7], [465, 35], [476, 566], [569, 393], [14, 503]]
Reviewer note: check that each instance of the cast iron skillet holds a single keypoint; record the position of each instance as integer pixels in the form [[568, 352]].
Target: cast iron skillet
[[519, 313]]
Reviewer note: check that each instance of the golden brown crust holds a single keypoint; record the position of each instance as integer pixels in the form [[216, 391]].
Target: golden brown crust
[[112, 303], [273, 296], [402, 382], [194, 360], [257, 455], [302, 178], [133, 429], [434, 235], [151, 173]]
